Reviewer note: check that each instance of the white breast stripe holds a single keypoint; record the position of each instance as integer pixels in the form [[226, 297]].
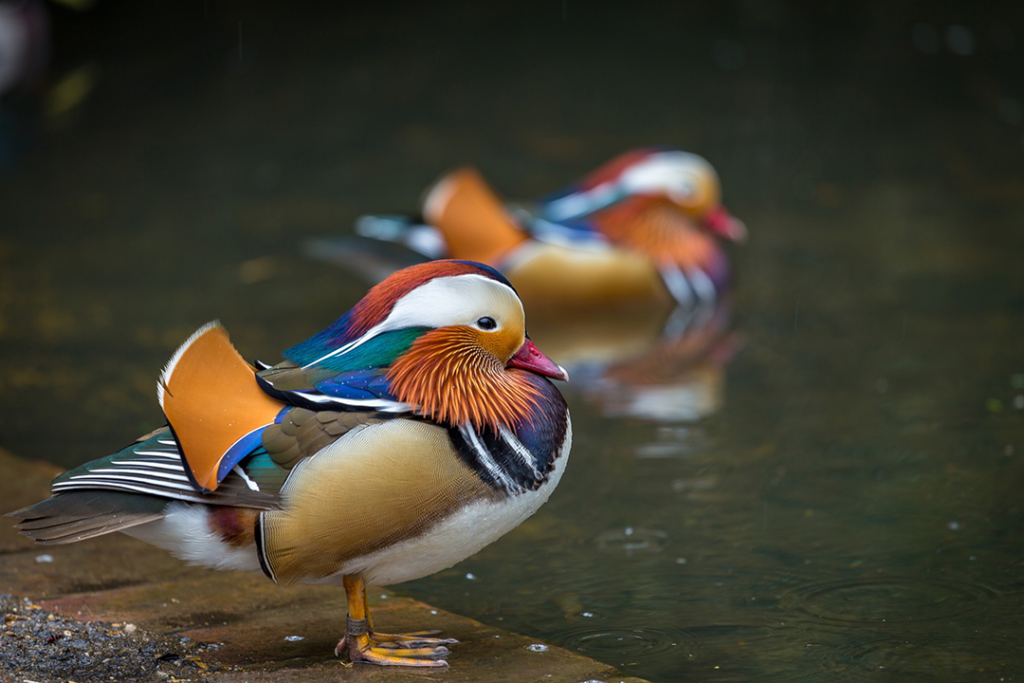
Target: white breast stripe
[[524, 453], [704, 287], [677, 285], [486, 459]]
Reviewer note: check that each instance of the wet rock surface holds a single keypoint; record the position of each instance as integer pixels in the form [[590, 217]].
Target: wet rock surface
[[115, 609], [43, 646]]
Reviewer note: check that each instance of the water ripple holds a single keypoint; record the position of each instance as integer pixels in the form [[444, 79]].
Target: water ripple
[[892, 600], [632, 540], [924, 657], [609, 643]]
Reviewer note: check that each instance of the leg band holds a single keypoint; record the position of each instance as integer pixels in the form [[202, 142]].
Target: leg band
[[357, 627]]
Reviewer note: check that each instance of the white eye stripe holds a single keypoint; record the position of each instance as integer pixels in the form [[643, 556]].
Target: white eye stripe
[[443, 301], [673, 171]]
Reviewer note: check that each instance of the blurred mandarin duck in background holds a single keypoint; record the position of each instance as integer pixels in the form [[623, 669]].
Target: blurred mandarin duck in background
[[642, 229], [413, 431], [685, 180]]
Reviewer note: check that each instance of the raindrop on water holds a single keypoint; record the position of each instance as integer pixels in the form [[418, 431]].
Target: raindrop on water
[[632, 539]]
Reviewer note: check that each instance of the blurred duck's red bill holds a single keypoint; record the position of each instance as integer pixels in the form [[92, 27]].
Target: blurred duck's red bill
[[723, 223]]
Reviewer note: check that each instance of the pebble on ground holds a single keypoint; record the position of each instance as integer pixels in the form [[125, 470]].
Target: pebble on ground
[[49, 647]]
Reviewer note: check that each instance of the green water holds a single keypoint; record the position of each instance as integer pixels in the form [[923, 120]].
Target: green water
[[839, 496]]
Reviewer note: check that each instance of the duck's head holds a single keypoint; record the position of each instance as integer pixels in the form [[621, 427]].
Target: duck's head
[[452, 337], [689, 181], [685, 179]]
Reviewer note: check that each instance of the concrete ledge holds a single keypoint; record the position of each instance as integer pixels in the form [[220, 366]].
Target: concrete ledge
[[118, 580]]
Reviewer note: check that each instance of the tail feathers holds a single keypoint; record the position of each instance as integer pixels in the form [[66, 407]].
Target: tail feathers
[[215, 408], [471, 217], [78, 515]]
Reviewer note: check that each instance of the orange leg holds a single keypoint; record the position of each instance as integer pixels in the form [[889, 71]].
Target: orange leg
[[396, 640], [395, 650]]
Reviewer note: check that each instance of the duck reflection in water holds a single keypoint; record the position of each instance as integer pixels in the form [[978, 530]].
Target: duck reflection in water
[[625, 273], [668, 371]]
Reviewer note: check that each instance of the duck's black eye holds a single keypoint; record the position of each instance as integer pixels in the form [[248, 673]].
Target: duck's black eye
[[486, 323]]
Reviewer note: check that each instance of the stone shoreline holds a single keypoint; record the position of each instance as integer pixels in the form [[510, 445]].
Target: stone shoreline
[[113, 608]]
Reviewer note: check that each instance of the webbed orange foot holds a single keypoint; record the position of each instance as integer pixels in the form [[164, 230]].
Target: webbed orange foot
[[364, 644], [407, 640], [394, 641], [412, 649]]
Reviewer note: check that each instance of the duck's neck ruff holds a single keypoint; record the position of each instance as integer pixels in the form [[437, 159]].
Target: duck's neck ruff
[[454, 381], [659, 229]]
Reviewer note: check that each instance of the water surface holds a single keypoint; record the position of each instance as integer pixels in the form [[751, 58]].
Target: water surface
[[835, 497]]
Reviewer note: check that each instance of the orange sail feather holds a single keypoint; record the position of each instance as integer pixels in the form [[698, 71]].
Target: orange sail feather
[[471, 217], [212, 402]]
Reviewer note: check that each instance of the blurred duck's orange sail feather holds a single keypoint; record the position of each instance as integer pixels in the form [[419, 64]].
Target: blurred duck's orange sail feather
[[471, 217], [211, 399]]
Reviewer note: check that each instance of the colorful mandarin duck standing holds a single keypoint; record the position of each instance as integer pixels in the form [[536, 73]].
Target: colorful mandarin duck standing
[[645, 227], [416, 429]]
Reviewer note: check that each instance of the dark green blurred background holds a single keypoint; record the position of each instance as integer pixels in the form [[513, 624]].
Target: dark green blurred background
[[853, 509]]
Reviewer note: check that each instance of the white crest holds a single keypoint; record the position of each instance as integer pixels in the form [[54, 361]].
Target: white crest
[[444, 301]]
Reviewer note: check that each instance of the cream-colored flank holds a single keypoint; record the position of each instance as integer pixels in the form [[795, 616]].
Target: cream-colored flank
[[391, 501]]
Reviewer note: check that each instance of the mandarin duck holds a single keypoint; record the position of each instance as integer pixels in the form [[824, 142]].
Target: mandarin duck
[[642, 229], [416, 429]]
